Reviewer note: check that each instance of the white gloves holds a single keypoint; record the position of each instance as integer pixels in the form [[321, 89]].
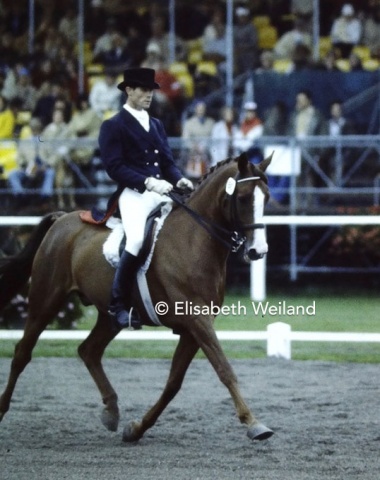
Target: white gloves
[[185, 183], [158, 186]]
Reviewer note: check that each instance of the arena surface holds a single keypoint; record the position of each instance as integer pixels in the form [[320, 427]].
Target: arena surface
[[325, 417]]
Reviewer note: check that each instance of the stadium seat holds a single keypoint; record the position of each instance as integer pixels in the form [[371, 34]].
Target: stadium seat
[[362, 52], [268, 37], [282, 65], [208, 67], [8, 155], [187, 81], [325, 46], [371, 64], [260, 21], [178, 68], [343, 64]]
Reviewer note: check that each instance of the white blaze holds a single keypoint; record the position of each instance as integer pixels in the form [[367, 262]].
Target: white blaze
[[259, 242]]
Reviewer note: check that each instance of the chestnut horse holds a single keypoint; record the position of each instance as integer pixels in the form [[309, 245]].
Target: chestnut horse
[[64, 255]]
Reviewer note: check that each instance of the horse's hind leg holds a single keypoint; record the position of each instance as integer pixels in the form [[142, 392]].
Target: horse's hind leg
[[39, 315], [205, 335], [91, 352], [184, 354]]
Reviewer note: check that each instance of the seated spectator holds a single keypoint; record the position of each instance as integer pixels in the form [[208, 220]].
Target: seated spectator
[[104, 43], [153, 58], [217, 21], [285, 45], [34, 169], [195, 137], [52, 92], [245, 41], [371, 31], [68, 24], [24, 90], [328, 62], [85, 123], [346, 31], [160, 36], [250, 129], [104, 95], [222, 135], [301, 59], [136, 45], [266, 62], [118, 56]]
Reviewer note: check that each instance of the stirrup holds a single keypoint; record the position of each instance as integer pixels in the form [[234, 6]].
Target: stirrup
[[126, 319]]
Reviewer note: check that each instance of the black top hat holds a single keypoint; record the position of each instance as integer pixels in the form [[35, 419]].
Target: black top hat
[[138, 77]]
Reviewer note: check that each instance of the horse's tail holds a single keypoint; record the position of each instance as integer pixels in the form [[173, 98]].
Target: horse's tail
[[16, 270]]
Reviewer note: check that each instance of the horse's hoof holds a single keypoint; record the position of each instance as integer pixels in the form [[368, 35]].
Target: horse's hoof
[[259, 431], [110, 420], [129, 433]]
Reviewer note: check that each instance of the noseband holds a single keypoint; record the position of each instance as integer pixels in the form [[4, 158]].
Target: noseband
[[232, 239]]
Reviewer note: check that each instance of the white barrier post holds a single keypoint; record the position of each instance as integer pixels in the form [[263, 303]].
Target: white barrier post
[[258, 280], [279, 344]]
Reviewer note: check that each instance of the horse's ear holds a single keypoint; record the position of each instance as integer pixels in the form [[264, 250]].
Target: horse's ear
[[265, 163], [242, 162]]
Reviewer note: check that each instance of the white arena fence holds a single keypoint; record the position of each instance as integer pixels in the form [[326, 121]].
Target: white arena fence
[[278, 335]]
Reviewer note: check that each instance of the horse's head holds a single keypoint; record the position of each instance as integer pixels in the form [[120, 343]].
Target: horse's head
[[246, 195]]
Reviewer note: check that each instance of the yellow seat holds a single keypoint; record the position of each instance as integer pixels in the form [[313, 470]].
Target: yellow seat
[[8, 158], [178, 68], [268, 37], [325, 46], [94, 79], [363, 52], [187, 81], [282, 65], [371, 64], [343, 64], [260, 21], [95, 69], [207, 67]]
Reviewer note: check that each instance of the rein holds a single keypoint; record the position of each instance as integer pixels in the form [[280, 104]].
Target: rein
[[236, 238]]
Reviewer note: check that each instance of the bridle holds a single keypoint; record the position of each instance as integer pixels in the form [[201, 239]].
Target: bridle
[[232, 239]]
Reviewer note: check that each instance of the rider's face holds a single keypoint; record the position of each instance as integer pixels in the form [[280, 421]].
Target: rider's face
[[139, 98]]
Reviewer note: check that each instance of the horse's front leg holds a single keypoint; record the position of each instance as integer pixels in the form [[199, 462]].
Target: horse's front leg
[[183, 355], [204, 333], [91, 352]]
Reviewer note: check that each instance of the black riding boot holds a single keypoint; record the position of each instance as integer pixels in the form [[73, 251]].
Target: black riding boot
[[121, 293]]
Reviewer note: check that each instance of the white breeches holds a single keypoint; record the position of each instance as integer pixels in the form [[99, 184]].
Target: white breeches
[[134, 210]]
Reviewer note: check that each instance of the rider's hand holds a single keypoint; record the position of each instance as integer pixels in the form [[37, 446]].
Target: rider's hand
[[185, 183], [158, 186]]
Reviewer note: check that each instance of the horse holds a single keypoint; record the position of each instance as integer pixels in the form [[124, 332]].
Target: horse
[[64, 255]]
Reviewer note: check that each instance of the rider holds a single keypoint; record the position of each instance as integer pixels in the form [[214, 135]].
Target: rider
[[136, 154]]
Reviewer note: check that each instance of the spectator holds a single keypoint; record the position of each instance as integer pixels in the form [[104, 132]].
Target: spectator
[[84, 124], [136, 45], [104, 43], [56, 152], [153, 58], [346, 31], [306, 120], [328, 62], [195, 137], [371, 31], [215, 49], [24, 90], [250, 129], [286, 44], [222, 135], [118, 56], [68, 25], [276, 124], [216, 23], [52, 92], [301, 59], [266, 62], [245, 41], [160, 36], [333, 161], [34, 169], [104, 95]]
